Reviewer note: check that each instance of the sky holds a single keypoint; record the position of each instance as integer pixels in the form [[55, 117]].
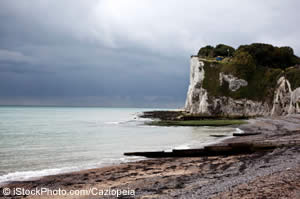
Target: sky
[[124, 53]]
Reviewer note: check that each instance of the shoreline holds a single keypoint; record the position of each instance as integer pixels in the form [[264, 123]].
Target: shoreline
[[37, 174], [66, 170], [205, 177]]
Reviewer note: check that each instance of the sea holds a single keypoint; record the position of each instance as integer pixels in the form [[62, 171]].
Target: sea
[[41, 141]]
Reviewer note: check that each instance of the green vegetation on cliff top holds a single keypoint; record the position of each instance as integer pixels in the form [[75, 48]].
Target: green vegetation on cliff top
[[219, 50], [263, 55], [261, 65]]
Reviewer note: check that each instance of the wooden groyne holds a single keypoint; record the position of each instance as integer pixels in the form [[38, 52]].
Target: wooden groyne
[[218, 150]]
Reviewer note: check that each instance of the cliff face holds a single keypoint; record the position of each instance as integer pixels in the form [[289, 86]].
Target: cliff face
[[286, 101], [216, 89]]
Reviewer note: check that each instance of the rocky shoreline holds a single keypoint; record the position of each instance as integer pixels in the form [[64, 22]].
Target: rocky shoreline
[[264, 174], [181, 115]]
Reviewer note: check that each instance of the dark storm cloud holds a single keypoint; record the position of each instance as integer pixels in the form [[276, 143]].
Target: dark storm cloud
[[130, 53]]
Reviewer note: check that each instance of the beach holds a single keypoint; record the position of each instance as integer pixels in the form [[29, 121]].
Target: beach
[[43, 141], [265, 174], [149, 99]]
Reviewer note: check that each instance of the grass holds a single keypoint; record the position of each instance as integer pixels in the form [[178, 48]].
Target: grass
[[213, 60], [197, 122]]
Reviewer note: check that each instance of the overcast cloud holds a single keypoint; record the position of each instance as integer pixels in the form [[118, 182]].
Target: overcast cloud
[[124, 52]]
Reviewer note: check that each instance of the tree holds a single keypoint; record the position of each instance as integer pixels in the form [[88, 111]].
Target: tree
[[223, 50], [270, 56], [206, 51]]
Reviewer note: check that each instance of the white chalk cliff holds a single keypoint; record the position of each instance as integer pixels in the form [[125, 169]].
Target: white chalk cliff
[[199, 101], [196, 101], [285, 100]]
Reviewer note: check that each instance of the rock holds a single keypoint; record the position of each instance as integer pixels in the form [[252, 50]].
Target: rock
[[162, 115], [201, 102], [218, 136], [234, 82], [285, 100], [295, 102], [197, 96]]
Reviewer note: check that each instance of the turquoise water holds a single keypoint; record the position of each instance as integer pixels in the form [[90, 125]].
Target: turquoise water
[[38, 141]]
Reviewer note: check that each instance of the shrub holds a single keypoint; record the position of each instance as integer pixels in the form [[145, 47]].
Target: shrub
[[219, 50], [293, 75], [244, 64], [270, 56], [223, 50], [206, 51]]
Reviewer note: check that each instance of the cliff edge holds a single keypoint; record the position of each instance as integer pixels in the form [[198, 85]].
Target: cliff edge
[[254, 80]]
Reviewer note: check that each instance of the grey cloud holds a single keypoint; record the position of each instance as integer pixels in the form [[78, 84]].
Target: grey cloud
[[114, 52], [14, 56]]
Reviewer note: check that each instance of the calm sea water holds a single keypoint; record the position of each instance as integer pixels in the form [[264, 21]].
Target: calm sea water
[[38, 141]]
